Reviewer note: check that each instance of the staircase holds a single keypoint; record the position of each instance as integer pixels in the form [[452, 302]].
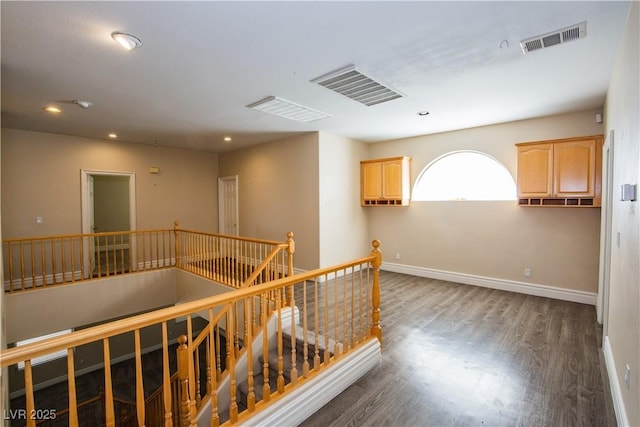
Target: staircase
[[330, 376]]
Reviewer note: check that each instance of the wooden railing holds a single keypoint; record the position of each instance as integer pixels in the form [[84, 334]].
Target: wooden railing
[[331, 312], [31, 263], [234, 261]]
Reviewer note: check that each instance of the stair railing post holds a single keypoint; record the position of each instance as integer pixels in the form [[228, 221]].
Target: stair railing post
[[291, 248], [177, 243], [376, 330], [183, 379]]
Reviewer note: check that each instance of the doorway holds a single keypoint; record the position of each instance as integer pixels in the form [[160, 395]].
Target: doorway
[[228, 206], [108, 204], [606, 234]]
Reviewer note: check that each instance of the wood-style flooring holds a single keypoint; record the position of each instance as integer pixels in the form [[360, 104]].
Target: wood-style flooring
[[459, 355]]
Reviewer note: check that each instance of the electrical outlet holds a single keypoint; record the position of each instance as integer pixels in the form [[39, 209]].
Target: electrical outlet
[[398, 256], [627, 376], [527, 272], [38, 220]]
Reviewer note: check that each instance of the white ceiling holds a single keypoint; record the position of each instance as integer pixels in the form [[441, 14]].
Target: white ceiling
[[201, 63]]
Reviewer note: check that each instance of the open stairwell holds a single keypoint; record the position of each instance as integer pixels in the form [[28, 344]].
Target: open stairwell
[[291, 394]]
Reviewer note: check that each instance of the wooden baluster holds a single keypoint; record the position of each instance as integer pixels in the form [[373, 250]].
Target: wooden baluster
[[33, 267], [345, 318], [183, 378], [294, 366], [28, 388], [53, 261], [213, 383], [166, 378], [196, 354], [110, 418], [305, 334], [73, 261], [63, 268], [208, 364], [233, 405], [353, 306], [266, 388], [218, 354], [336, 315], [44, 265], [280, 381], [316, 324], [327, 356], [376, 329], [139, 380], [192, 377], [251, 396], [71, 375]]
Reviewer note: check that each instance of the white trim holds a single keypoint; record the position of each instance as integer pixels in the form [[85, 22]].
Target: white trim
[[495, 283], [296, 407], [616, 392], [60, 278]]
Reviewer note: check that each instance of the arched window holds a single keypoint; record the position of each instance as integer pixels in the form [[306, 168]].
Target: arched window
[[465, 175]]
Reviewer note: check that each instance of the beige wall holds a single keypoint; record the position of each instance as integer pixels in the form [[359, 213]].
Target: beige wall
[[41, 177], [56, 308], [278, 192], [623, 118], [492, 239], [343, 222]]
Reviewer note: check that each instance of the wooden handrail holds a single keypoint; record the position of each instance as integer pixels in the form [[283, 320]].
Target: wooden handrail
[[244, 312], [85, 336], [243, 239]]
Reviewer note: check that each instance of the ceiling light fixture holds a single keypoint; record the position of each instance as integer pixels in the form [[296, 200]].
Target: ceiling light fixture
[[52, 109], [125, 40], [227, 139], [287, 109], [113, 135]]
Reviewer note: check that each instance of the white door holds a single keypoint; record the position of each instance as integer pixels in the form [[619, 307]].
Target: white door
[[228, 206]]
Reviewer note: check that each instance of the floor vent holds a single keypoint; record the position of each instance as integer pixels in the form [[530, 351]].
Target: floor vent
[[564, 35], [351, 83]]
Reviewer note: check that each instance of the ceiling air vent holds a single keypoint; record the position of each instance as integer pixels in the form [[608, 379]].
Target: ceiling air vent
[[564, 35], [355, 85], [288, 109]]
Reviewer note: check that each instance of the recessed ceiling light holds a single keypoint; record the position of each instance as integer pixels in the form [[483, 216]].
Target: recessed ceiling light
[[423, 113], [125, 40], [113, 135], [227, 139], [52, 109]]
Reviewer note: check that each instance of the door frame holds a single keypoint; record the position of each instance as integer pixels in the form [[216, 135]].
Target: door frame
[[606, 233], [222, 203], [86, 210]]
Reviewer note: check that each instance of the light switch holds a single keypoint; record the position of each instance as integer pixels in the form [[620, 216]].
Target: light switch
[[38, 220]]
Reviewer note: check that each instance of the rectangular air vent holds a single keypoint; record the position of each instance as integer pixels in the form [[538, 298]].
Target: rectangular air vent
[[553, 38], [351, 83], [288, 109]]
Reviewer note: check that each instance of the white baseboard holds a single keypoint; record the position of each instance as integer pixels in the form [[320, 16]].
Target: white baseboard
[[296, 407], [495, 283], [616, 391]]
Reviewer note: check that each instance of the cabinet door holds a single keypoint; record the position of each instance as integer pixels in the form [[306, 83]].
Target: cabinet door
[[371, 180], [392, 179], [574, 168], [535, 170]]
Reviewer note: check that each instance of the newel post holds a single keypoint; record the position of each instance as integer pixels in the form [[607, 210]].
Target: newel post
[[183, 380], [177, 242], [290, 250], [376, 330]]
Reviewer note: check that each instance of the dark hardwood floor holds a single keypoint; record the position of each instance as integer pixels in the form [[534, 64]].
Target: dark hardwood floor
[[458, 355]]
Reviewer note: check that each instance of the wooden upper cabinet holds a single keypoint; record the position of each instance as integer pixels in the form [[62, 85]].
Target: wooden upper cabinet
[[385, 182], [535, 170], [564, 172]]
